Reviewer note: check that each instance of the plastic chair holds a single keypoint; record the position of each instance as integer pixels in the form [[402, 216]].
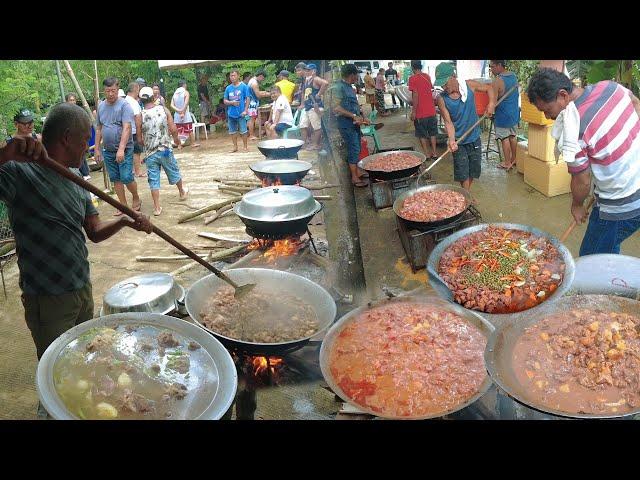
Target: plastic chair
[[197, 125], [370, 131], [296, 125]]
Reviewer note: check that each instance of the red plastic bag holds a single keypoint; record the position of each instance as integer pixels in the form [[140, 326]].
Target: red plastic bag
[[364, 148]]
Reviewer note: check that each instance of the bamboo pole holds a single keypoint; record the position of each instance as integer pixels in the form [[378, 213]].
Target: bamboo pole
[[76, 85], [236, 181], [172, 258], [222, 238], [217, 214], [59, 74], [214, 206]]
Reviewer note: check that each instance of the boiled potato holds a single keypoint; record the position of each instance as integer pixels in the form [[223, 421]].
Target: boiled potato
[[82, 385], [124, 380], [106, 410]]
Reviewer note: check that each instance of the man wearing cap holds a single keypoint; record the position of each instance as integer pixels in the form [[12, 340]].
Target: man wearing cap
[[255, 94], [286, 86], [314, 88], [423, 110], [141, 83], [157, 129], [23, 121], [458, 109], [48, 214], [349, 117], [134, 102], [113, 130]]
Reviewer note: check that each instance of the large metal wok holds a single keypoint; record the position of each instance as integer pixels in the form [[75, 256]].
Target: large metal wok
[[280, 148], [397, 205], [336, 329], [499, 352], [289, 172], [382, 175], [498, 318], [275, 212], [211, 381], [403, 93], [310, 292]]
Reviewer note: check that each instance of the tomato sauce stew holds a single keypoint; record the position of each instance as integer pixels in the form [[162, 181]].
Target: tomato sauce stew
[[409, 360], [497, 270], [581, 361]]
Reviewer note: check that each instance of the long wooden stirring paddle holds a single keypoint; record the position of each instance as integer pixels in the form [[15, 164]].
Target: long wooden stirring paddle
[[240, 290]]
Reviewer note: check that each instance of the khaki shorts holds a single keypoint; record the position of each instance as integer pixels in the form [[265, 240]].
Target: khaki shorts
[[503, 132], [49, 316], [310, 117]]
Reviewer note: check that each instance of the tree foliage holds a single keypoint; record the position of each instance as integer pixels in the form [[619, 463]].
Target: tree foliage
[[33, 84]]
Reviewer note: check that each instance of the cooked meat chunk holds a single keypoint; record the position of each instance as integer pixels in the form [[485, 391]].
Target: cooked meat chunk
[[166, 339], [155, 368], [194, 346], [179, 362], [136, 403], [146, 346], [392, 162], [175, 390], [431, 206]]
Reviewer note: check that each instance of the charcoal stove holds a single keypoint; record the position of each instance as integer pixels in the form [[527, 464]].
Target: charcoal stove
[[418, 245], [385, 192]]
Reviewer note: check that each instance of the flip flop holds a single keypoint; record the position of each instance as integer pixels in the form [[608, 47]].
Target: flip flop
[[364, 175], [359, 184], [194, 146], [157, 212], [142, 175], [137, 209], [504, 167], [118, 214], [186, 194]]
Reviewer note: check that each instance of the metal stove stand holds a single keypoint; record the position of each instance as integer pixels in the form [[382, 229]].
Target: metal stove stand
[[262, 236], [418, 245]]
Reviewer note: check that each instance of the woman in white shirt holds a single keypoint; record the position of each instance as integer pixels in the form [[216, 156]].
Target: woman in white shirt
[[281, 116]]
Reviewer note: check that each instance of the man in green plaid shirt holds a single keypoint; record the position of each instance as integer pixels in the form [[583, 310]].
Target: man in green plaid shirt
[[47, 214]]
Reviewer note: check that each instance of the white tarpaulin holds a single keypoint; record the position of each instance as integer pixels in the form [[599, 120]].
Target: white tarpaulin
[[173, 64]]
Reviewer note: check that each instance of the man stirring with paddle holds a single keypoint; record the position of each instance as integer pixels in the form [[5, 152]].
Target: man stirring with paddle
[[47, 214]]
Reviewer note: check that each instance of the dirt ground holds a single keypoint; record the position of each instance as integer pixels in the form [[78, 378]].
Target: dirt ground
[[114, 259]]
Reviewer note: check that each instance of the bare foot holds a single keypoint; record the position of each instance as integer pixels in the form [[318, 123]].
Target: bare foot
[[137, 208], [194, 145], [117, 214], [185, 195], [233, 151], [253, 138], [245, 149]]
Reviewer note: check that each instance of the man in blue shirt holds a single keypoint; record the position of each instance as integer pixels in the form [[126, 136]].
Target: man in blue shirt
[[349, 118], [236, 97], [507, 113]]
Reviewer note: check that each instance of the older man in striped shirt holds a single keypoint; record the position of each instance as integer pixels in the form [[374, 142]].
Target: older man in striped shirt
[[599, 140]]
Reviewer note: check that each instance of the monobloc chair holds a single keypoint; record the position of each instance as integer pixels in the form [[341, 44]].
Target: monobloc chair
[[296, 125], [370, 131], [197, 125]]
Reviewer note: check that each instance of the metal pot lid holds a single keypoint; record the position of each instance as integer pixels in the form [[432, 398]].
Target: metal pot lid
[[275, 167], [277, 204], [211, 379], [280, 143], [138, 291]]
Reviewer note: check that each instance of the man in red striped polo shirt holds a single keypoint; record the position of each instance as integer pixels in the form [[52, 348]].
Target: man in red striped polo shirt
[[599, 140]]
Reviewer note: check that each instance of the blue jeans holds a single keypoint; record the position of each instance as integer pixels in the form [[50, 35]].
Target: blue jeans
[[236, 124], [119, 172], [167, 161], [605, 236], [351, 137]]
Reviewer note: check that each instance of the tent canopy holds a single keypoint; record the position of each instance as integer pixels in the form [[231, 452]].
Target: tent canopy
[[176, 64]]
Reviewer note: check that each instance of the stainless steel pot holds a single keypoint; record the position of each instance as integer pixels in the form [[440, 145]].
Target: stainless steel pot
[[497, 318], [280, 148], [331, 336], [211, 381], [149, 292], [498, 355], [397, 205], [283, 203], [311, 293], [288, 171]]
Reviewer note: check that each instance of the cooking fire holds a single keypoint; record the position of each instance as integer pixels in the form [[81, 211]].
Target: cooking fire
[[274, 249], [266, 365], [270, 182]]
